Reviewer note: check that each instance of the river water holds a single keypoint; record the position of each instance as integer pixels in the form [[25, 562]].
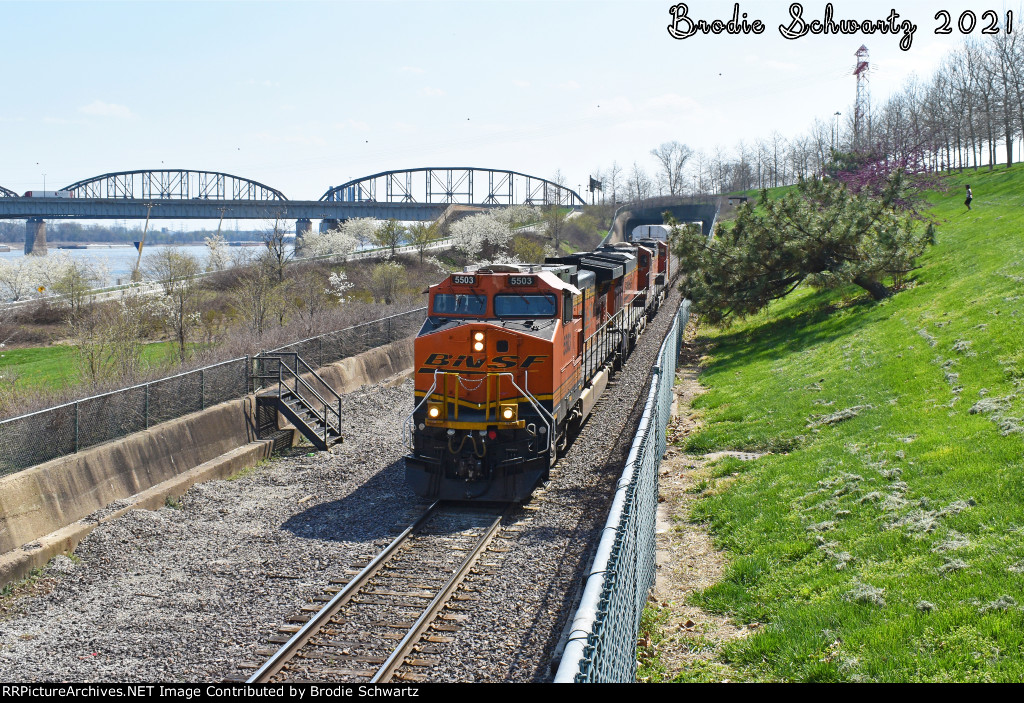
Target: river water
[[120, 259]]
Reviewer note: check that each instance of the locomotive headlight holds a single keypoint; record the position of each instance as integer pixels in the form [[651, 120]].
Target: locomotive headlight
[[508, 412], [433, 411], [479, 336], [478, 341], [478, 346]]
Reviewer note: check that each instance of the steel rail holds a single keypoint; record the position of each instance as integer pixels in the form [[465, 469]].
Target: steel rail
[[397, 658], [287, 651]]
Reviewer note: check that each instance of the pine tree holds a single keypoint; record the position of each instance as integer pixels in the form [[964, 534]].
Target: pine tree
[[819, 233]]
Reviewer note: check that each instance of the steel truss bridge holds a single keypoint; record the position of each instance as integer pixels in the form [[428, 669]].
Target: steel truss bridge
[[191, 194], [454, 186]]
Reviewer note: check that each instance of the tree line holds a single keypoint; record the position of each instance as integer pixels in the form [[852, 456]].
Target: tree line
[[968, 114]]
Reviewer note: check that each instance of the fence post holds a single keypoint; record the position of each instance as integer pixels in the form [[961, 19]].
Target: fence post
[[76, 426], [147, 406], [202, 389]]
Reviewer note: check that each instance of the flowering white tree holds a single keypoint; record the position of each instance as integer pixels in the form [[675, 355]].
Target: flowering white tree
[[517, 215], [362, 228], [218, 258], [438, 265], [338, 285], [338, 241], [471, 234], [21, 278]]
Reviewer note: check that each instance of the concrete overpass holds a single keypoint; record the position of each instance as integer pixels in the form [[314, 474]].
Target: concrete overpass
[[630, 216]]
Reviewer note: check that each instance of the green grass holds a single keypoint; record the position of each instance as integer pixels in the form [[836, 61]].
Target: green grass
[[650, 668], [57, 366], [890, 545]]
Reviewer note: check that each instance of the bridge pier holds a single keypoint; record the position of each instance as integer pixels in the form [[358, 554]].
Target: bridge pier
[[35, 236], [327, 224], [303, 226]]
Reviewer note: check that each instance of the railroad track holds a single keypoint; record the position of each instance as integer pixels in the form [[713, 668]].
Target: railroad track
[[384, 622]]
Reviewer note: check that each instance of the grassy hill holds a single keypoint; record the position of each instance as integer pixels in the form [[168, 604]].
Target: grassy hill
[[883, 537]]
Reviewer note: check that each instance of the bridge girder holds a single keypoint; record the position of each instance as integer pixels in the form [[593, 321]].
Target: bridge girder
[[5, 193], [463, 185], [173, 184]]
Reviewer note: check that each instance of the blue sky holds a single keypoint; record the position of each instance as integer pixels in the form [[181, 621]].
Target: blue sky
[[305, 95]]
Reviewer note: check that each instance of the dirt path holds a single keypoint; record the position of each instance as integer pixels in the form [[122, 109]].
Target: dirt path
[[687, 559]]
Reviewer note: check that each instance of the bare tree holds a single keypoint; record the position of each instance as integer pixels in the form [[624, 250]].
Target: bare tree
[[673, 157], [109, 337], [256, 296], [614, 177], [177, 272], [311, 298], [278, 253], [638, 184], [554, 221], [73, 280]]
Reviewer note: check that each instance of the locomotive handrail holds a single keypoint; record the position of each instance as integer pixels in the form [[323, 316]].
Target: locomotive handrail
[[410, 423], [546, 417], [533, 401]]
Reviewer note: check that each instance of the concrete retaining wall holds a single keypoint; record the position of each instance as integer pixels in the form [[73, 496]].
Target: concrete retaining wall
[[47, 509]]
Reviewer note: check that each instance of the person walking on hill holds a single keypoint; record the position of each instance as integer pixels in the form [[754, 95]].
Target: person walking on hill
[[970, 197]]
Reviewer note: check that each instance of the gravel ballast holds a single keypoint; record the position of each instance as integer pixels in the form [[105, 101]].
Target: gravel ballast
[[190, 591]]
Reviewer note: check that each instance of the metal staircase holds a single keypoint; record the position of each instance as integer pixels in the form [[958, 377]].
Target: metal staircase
[[286, 384]]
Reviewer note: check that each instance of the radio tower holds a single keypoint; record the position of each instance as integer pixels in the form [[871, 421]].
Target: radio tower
[[862, 110]]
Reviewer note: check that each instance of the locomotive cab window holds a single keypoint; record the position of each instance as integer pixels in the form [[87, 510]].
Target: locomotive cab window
[[532, 306], [460, 304]]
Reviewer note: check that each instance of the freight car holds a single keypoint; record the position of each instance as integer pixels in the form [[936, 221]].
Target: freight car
[[511, 360]]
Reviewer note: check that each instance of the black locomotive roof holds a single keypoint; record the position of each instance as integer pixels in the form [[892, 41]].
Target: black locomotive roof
[[604, 270], [627, 259]]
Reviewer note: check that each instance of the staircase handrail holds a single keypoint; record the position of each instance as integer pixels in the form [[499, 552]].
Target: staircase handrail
[[282, 366]]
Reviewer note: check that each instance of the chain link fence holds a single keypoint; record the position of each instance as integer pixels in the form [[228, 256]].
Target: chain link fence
[[335, 346], [602, 640], [38, 437]]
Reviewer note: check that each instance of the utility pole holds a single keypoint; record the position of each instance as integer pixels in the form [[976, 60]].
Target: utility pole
[[136, 276]]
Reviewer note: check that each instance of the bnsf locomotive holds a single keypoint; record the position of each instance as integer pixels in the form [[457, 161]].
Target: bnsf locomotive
[[511, 360]]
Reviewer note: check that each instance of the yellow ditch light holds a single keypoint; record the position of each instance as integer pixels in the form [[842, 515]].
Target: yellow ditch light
[[433, 410], [508, 412]]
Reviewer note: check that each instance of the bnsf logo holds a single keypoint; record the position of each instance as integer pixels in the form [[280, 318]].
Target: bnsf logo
[[463, 360]]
